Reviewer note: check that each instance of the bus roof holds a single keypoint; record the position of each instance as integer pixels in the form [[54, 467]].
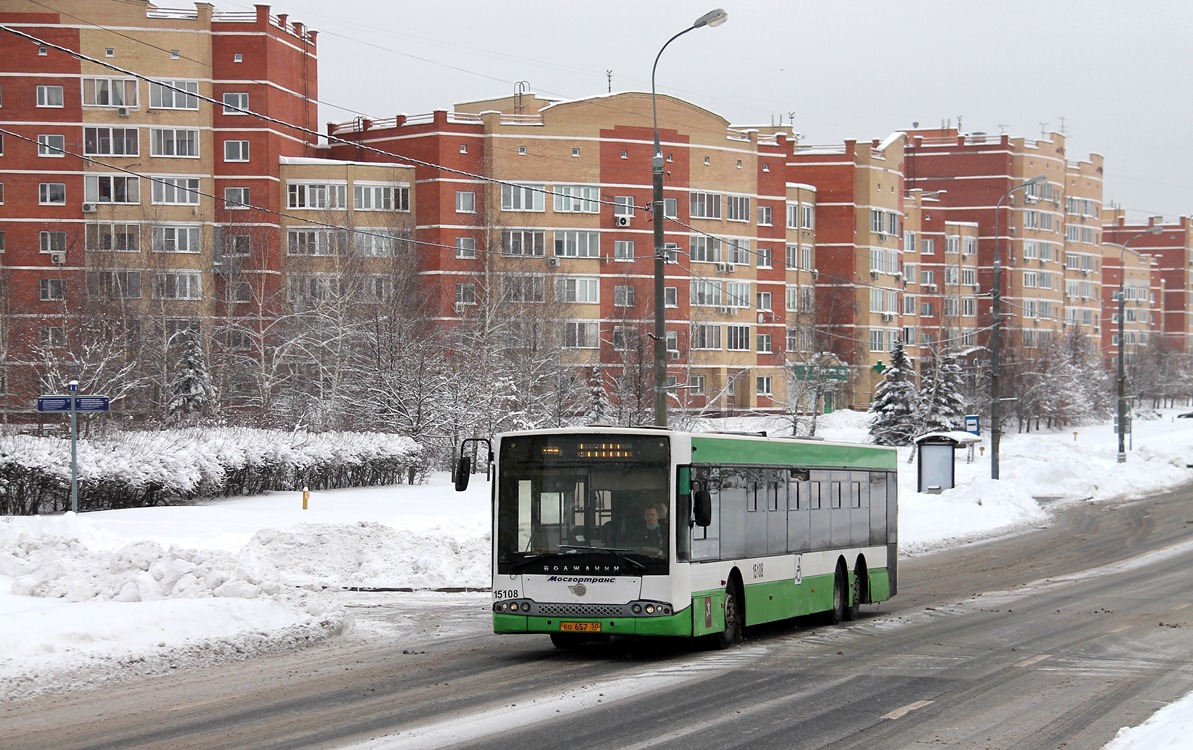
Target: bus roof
[[752, 449]]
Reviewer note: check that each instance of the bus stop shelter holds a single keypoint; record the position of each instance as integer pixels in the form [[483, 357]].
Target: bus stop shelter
[[937, 454]]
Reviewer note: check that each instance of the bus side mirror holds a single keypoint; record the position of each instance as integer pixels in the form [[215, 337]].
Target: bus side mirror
[[463, 470], [702, 507]]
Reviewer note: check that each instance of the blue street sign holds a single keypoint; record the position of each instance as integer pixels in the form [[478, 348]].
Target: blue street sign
[[53, 403], [971, 424], [91, 403], [82, 403]]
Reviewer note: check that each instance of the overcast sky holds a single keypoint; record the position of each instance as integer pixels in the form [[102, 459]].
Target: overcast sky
[[1110, 74]]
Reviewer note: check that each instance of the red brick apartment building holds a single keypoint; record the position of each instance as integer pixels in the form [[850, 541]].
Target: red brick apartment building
[[119, 174], [140, 195]]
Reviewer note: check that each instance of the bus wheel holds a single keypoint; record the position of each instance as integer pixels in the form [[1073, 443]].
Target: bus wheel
[[734, 614], [837, 614], [853, 609]]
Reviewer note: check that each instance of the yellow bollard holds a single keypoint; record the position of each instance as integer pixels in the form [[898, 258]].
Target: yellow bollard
[[306, 495], [1074, 437]]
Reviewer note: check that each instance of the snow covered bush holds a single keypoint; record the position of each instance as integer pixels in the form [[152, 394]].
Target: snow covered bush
[[136, 469]]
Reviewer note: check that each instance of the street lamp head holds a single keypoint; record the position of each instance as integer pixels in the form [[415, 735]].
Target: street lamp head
[[711, 18], [1153, 230], [1037, 179]]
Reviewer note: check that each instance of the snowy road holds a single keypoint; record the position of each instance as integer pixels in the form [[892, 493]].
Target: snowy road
[[1058, 636]]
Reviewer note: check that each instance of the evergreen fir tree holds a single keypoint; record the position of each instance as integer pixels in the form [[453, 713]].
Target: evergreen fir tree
[[191, 391], [896, 406], [943, 404], [598, 400]]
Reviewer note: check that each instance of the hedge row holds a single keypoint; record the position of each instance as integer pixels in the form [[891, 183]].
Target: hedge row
[[140, 469]]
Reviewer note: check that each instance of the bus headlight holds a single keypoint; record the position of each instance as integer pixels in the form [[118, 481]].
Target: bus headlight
[[650, 609]]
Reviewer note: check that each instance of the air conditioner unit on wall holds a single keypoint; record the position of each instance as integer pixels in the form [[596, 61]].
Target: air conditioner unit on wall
[[723, 310], [622, 221], [58, 259], [88, 208], [673, 355], [724, 267], [874, 274], [122, 111], [552, 261]]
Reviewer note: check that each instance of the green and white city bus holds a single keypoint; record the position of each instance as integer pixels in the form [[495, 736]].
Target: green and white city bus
[[748, 529]]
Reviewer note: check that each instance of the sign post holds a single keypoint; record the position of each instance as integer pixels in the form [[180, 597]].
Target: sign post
[[74, 404], [73, 387]]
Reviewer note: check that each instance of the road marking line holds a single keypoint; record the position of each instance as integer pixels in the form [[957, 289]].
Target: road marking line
[[899, 713], [1033, 660], [1179, 607], [1119, 630]]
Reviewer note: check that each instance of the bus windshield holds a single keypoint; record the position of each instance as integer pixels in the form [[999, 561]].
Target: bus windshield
[[573, 500]]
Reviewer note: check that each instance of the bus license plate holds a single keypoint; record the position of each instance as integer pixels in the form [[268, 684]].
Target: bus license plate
[[580, 627]]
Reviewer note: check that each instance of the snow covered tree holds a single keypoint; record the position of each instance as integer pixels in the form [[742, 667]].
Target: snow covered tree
[[191, 393], [598, 399], [943, 405], [896, 406]]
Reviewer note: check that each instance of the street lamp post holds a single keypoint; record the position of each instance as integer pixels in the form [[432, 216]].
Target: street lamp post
[[1121, 427], [995, 350], [712, 18]]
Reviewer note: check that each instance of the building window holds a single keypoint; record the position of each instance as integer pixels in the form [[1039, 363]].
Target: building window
[[706, 337], [315, 242], [110, 92], [53, 337], [577, 199], [316, 195], [370, 197], [185, 285], [51, 145], [765, 214], [53, 289], [52, 242], [237, 57], [465, 202], [696, 385], [762, 385], [581, 335], [463, 148], [737, 338], [522, 198], [238, 245], [174, 95], [176, 191], [51, 194], [177, 239], [236, 150], [705, 205], [120, 238], [577, 244], [465, 294], [115, 284], [174, 142], [49, 96], [1, 240], [578, 289], [528, 242], [373, 242], [111, 142], [104, 188], [466, 247], [623, 250], [623, 296], [236, 103], [236, 198], [737, 208]]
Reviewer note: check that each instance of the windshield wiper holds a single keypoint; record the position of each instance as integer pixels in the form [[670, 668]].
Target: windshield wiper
[[615, 551]]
